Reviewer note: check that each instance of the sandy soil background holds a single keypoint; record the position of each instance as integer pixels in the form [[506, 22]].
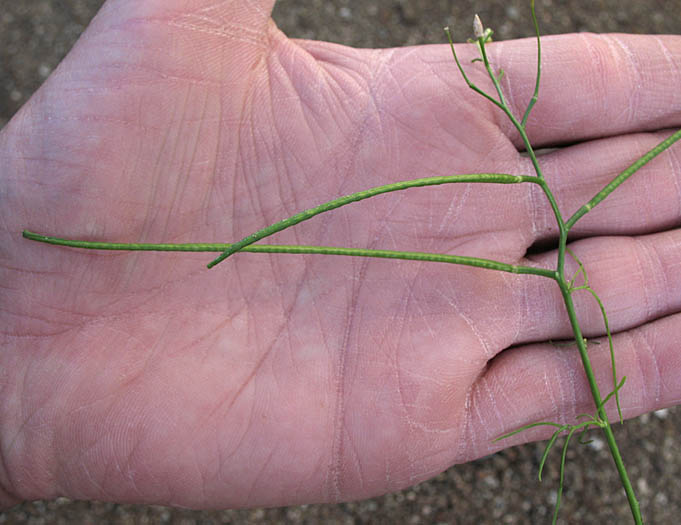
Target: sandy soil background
[[36, 34]]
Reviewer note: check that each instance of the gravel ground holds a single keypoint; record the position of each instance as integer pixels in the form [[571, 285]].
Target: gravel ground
[[35, 35]]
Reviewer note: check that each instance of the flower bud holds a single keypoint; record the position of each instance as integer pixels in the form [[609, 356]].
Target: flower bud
[[478, 30]]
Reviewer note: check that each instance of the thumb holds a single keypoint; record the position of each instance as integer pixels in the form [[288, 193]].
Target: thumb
[[201, 31]]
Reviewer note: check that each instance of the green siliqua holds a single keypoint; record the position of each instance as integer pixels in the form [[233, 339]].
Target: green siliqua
[[567, 286]]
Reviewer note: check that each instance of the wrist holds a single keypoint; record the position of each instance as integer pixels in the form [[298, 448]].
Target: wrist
[[7, 500], [25, 468], [8, 435], [8, 497], [26, 430]]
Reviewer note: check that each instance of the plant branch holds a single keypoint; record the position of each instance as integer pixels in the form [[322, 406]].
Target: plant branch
[[297, 249], [608, 333], [520, 126], [595, 393], [499, 178], [612, 185], [535, 96], [465, 77]]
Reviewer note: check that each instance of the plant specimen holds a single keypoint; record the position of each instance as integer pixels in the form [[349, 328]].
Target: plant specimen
[[567, 284]]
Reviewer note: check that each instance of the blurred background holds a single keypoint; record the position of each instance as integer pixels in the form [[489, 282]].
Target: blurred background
[[503, 488]]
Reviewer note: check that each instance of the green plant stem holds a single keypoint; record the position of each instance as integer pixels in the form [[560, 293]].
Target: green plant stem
[[296, 249], [495, 81], [499, 178], [587, 287], [595, 393], [535, 96], [501, 104], [611, 347], [465, 77], [611, 186]]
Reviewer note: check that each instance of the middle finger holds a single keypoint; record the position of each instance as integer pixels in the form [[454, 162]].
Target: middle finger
[[649, 201]]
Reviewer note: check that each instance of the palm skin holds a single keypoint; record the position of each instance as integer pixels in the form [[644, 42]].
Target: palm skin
[[279, 379]]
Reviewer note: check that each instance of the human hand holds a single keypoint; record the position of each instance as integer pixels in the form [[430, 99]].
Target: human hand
[[286, 379]]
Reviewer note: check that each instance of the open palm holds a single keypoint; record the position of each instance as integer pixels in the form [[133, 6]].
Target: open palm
[[276, 379]]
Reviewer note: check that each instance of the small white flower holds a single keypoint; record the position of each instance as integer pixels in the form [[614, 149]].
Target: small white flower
[[478, 30]]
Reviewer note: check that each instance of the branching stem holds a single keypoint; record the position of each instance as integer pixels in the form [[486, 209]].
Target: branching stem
[[296, 249], [595, 393], [612, 185], [499, 178]]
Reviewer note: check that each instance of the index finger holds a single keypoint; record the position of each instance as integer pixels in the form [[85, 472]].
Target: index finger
[[592, 85]]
